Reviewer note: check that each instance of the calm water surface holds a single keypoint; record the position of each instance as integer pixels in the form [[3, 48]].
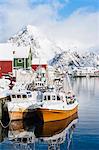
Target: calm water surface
[[76, 133]]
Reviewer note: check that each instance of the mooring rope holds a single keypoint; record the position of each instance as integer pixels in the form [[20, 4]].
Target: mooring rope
[[4, 125]]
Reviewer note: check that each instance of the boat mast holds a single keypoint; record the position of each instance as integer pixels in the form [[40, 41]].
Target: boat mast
[[66, 80]]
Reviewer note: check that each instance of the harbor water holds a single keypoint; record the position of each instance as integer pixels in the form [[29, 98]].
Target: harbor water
[[79, 132]]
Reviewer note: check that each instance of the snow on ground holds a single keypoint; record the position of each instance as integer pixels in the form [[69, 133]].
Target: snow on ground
[[4, 87]]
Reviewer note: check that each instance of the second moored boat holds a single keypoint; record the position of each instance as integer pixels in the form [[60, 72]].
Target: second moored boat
[[56, 106]]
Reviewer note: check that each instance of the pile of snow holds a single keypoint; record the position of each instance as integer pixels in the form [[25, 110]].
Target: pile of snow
[[4, 87]]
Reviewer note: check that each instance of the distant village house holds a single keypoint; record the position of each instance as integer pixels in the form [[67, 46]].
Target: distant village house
[[22, 58], [14, 57], [6, 59]]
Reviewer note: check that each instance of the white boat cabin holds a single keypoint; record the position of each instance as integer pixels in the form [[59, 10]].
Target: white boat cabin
[[53, 96], [59, 97], [22, 95]]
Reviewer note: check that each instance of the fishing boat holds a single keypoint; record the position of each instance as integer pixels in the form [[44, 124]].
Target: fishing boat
[[24, 97], [57, 104], [22, 104]]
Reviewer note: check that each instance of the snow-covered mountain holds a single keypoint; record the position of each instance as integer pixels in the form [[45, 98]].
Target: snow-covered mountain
[[41, 46], [75, 59], [46, 49]]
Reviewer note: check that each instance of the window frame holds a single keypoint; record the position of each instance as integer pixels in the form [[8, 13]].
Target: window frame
[[19, 60]]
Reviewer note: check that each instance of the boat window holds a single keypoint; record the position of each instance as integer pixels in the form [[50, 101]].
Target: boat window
[[68, 97], [61, 97], [73, 95], [29, 95], [53, 97], [58, 98], [45, 97], [19, 139], [18, 96], [48, 97], [24, 96], [28, 92], [13, 96]]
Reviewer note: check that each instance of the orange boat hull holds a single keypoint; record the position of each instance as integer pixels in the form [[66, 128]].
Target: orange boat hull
[[47, 115], [49, 129], [17, 115]]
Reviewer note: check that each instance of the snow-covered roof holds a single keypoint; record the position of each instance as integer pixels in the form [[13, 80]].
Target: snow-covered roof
[[6, 51], [9, 51], [21, 52], [36, 61]]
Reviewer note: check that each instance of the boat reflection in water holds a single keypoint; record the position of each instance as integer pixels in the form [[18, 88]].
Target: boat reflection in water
[[56, 133], [51, 135]]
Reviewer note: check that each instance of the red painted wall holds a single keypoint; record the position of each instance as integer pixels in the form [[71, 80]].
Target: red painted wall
[[34, 67], [5, 67]]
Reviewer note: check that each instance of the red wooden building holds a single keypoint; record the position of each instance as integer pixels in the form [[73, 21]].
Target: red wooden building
[[38, 63], [6, 59]]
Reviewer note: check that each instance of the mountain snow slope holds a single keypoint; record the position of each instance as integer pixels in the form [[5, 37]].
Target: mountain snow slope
[[75, 59], [40, 45]]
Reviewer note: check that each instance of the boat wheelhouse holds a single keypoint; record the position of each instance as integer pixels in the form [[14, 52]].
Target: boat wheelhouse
[[40, 85]]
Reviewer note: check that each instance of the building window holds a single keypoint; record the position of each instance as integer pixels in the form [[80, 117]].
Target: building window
[[20, 60]]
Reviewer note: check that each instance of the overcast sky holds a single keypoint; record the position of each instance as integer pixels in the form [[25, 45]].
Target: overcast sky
[[71, 23]]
